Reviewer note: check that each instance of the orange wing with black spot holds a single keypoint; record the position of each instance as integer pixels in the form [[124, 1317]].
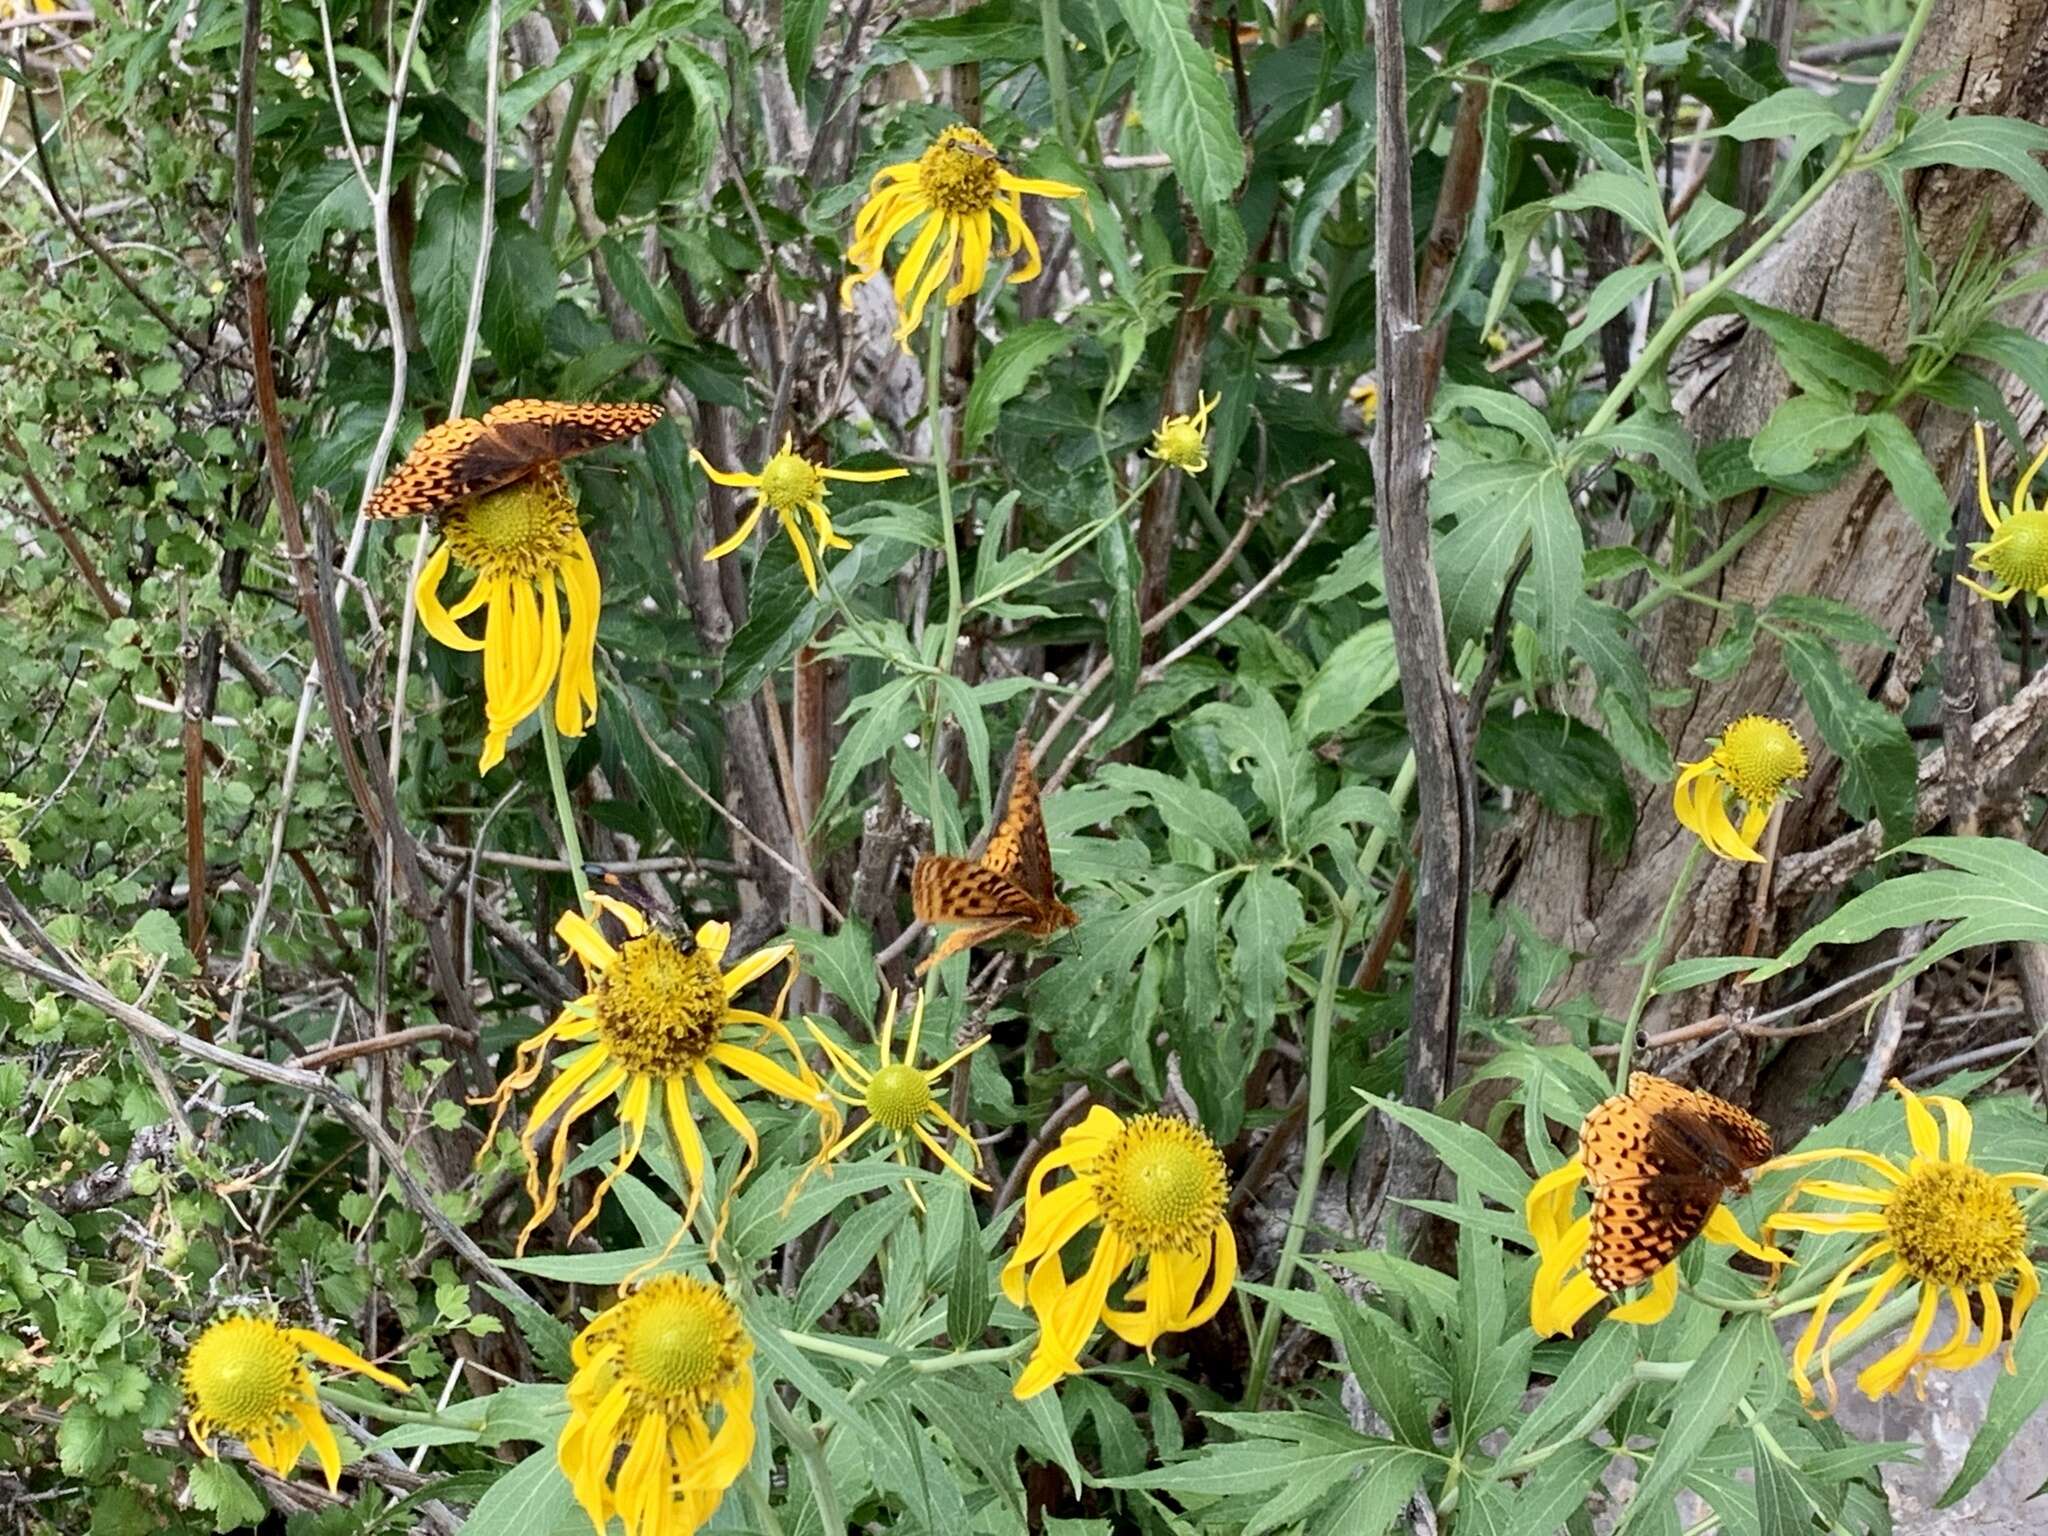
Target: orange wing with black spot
[[1009, 889], [1659, 1158], [467, 456]]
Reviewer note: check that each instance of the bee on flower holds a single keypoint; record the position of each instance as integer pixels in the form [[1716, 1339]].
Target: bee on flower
[[657, 1015], [789, 484], [1754, 761], [1182, 442], [2015, 557], [1156, 1194], [1942, 1224], [949, 197], [246, 1378]]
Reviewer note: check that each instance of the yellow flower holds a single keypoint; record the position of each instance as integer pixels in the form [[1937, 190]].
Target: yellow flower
[[520, 542], [957, 187], [1366, 395], [898, 1095], [788, 484], [1183, 441], [658, 1013], [649, 1371], [1564, 1292], [1944, 1224], [246, 1377], [1156, 1190], [2016, 554], [1754, 760]]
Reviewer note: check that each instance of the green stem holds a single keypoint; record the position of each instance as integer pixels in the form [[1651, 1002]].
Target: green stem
[[372, 1408], [808, 1446], [1679, 585], [558, 167], [1055, 48], [1066, 547], [1312, 1147], [1652, 959], [1688, 314], [565, 813], [874, 1359], [934, 392]]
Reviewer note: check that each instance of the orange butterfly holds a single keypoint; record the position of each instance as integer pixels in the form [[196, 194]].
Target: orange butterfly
[[1007, 890], [1658, 1159], [465, 457]]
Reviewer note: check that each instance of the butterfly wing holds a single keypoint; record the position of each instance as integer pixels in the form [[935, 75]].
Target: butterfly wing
[[948, 890], [464, 457], [1640, 1224], [1695, 1128], [1017, 847]]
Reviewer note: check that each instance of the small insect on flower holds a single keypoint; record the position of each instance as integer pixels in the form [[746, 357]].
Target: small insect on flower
[[953, 193], [898, 1096], [661, 1408], [246, 1377], [506, 516], [1754, 760], [1943, 1223], [1183, 441], [788, 484], [1157, 1193], [1657, 1159], [658, 1012], [2016, 554]]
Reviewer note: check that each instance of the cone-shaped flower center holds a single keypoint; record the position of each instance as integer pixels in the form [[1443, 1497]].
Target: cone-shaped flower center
[[1181, 443], [1758, 755], [897, 1095], [789, 481], [1952, 1224], [958, 173], [241, 1374], [2018, 553], [524, 530], [659, 1009], [1161, 1184]]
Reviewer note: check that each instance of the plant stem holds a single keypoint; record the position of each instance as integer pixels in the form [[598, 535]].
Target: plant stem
[[931, 1365], [1652, 959], [934, 393], [565, 813], [372, 1408], [808, 1446], [1312, 1147], [1684, 316], [558, 167], [1066, 547]]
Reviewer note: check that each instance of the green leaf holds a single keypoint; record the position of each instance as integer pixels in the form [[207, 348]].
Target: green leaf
[[312, 203], [1581, 1387], [1818, 357], [646, 153], [1188, 113], [1569, 766], [1559, 29], [85, 1442], [851, 1249], [1802, 432], [1264, 918], [844, 961], [1982, 142], [1635, 199], [1648, 434], [969, 1302], [1617, 290], [1332, 171], [1497, 506], [1469, 1153], [444, 268], [1188, 809], [216, 1487], [1007, 372], [1898, 454], [1701, 1404], [1282, 774], [1805, 117], [1502, 408], [1879, 769], [880, 719], [1358, 672], [157, 933], [1373, 1355], [1598, 635], [533, 1499], [2015, 1400], [1595, 125]]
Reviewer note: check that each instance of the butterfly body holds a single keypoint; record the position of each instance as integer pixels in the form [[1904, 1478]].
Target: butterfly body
[[1659, 1159], [466, 456], [1008, 890]]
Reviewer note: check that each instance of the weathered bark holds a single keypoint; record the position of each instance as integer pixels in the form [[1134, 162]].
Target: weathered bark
[[1844, 264]]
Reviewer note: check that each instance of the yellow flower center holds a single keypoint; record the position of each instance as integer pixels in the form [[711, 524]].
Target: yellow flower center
[[1367, 397], [789, 481], [1952, 1224], [1161, 1184], [2018, 553], [897, 1095], [1757, 755], [525, 530], [958, 174], [679, 1341], [241, 1375], [1181, 443], [659, 1008]]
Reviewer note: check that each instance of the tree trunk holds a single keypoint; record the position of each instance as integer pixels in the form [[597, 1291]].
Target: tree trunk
[[1845, 264]]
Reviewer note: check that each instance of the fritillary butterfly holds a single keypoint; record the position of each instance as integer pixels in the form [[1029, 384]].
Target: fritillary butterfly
[[1658, 1159], [1007, 890], [467, 456]]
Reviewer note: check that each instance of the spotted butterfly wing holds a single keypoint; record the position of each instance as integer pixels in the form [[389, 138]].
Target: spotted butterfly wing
[[948, 890], [1704, 1121], [1639, 1225], [1018, 846], [465, 456]]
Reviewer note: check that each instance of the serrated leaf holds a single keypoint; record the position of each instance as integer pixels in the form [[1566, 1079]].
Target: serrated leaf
[[1593, 124], [1699, 1405], [1818, 357], [1898, 454], [1879, 768], [844, 961], [1468, 1153], [1568, 765], [1264, 918], [1358, 672], [1187, 809], [1007, 372], [1374, 1358], [1803, 431]]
